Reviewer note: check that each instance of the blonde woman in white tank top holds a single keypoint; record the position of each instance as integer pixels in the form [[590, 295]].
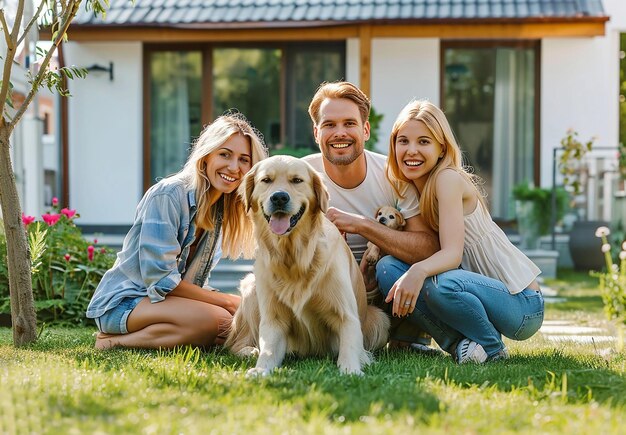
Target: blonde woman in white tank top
[[495, 293]]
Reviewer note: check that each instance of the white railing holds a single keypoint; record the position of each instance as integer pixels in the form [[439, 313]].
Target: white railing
[[601, 186]]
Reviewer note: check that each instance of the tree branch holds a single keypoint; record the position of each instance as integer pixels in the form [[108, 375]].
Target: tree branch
[[19, 14], [8, 64], [32, 21], [5, 27], [66, 17]]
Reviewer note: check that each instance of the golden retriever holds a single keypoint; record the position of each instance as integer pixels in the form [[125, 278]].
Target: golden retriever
[[393, 219], [307, 294]]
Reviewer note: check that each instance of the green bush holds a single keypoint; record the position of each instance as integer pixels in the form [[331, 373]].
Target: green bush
[[543, 203], [66, 268]]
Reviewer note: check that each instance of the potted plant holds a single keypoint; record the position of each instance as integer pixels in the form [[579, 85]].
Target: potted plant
[[531, 205]]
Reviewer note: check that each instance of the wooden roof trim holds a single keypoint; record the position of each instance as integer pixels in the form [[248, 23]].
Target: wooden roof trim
[[232, 25], [508, 30]]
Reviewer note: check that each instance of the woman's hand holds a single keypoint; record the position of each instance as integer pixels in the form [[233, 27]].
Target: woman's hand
[[191, 291], [406, 290], [227, 301]]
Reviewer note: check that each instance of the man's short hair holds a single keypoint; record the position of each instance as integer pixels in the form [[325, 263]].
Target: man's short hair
[[339, 90]]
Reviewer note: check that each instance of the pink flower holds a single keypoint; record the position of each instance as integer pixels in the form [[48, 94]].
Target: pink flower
[[27, 220], [50, 219], [90, 250], [67, 257], [68, 213], [55, 201], [95, 241], [103, 251]]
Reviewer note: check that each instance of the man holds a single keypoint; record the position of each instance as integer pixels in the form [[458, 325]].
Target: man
[[356, 181]]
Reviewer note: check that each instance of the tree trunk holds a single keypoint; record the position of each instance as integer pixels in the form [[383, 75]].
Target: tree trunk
[[18, 253]]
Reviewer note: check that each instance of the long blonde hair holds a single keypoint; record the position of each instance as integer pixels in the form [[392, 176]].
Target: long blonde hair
[[437, 124], [237, 235]]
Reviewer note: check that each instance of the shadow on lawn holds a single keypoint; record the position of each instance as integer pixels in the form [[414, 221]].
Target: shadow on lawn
[[402, 382], [379, 392], [586, 378]]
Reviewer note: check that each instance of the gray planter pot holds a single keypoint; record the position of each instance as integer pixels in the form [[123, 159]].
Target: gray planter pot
[[584, 247]]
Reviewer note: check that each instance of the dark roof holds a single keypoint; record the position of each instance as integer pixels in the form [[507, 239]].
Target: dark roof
[[274, 13]]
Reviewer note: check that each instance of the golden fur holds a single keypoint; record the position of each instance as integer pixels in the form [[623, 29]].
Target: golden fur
[[307, 294], [390, 217]]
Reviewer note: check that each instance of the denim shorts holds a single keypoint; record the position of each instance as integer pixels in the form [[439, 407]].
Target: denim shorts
[[114, 320]]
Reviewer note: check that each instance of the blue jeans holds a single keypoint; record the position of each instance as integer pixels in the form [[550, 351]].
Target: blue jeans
[[459, 303]]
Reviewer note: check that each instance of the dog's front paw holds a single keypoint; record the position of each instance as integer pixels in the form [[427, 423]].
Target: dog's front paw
[[257, 372], [351, 371], [248, 351], [372, 254], [371, 259]]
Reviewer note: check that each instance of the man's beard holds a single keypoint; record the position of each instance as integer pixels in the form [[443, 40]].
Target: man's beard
[[342, 160]]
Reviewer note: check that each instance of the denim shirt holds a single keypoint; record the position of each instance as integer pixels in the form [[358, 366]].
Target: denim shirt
[[154, 255]]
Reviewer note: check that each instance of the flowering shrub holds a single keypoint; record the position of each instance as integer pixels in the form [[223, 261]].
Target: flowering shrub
[[66, 267], [571, 160], [613, 282]]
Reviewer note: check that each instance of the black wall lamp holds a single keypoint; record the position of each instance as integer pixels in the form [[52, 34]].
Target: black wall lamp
[[99, 68]]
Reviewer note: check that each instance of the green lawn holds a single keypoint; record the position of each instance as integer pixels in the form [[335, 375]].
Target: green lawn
[[61, 385]]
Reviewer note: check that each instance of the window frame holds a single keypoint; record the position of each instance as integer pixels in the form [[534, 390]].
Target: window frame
[[206, 50]]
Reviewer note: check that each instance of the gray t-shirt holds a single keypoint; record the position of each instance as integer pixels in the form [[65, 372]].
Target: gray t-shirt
[[375, 191]]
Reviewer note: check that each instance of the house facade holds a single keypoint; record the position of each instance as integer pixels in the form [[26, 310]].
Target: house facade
[[512, 76]]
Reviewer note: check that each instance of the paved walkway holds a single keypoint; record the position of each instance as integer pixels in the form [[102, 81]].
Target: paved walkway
[[568, 330]]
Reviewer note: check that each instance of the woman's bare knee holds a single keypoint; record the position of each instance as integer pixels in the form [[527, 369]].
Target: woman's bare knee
[[180, 321]]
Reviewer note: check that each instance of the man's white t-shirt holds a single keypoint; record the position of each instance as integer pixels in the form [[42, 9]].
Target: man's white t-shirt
[[375, 191]]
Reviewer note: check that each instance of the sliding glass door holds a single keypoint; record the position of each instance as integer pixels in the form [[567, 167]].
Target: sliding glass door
[[490, 97]]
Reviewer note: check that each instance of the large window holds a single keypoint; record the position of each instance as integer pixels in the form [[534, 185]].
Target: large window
[[307, 67], [248, 80], [271, 85], [489, 95]]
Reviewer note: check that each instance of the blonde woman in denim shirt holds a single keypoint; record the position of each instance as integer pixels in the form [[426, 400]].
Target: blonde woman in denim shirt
[[156, 294]]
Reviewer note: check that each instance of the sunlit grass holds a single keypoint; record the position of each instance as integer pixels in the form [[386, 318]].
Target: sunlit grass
[[62, 385]]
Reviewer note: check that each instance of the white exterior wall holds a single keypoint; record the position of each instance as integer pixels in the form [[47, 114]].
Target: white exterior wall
[[402, 70], [353, 68], [580, 87], [105, 133]]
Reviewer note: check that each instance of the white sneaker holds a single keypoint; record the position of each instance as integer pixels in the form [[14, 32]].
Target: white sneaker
[[470, 351]]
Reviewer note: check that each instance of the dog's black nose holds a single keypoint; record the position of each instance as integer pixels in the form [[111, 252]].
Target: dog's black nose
[[280, 198], [382, 220]]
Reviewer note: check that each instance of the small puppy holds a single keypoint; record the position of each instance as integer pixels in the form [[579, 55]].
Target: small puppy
[[389, 217]]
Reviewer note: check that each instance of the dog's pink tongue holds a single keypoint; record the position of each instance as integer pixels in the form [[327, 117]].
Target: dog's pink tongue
[[279, 224]]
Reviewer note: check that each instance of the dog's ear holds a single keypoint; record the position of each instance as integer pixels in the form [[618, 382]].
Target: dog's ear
[[376, 212], [246, 188], [321, 194], [401, 220]]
